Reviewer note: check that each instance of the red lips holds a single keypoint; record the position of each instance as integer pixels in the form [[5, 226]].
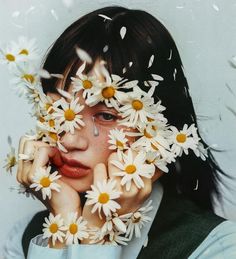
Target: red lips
[[73, 168]]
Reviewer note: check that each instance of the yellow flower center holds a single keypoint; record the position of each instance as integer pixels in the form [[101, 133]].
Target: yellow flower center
[[10, 57], [28, 77], [150, 119], [87, 84], [53, 136], [48, 107], [181, 138], [146, 134], [12, 161], [41, 119], [69, 115], [24, 52], [136, 217], [45, 182], [154, 146], [51, 123], [148, 161], [130, 169], [53, 228], [108, 92], [137, 105], [73, 228], [103, 197], [119, 144]]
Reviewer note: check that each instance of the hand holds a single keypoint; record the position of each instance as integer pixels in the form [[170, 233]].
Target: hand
[[67, 200]]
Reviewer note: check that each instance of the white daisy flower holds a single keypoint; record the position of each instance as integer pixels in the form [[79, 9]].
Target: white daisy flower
[[118, 141], [183, 140], [103, 196], [108, 238], [11, 160], [44, 181], [68, 117], [200, 151], [133, 169], [75, 228], [84, 82], [136, 220], [9, 55], [113, 222], [46, 104], [137, 109], [53, 228], [108, 91]]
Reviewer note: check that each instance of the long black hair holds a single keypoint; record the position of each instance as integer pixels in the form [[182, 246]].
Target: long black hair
[[98, 33]]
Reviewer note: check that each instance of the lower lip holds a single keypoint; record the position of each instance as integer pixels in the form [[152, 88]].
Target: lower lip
[[72, 171]]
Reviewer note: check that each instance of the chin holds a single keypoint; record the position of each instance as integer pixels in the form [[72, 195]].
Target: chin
[[81, 185]]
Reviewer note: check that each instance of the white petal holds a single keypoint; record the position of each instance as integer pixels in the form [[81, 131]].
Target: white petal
[[123, 32]]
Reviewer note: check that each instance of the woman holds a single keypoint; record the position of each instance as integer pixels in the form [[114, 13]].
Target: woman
[[136, 46]]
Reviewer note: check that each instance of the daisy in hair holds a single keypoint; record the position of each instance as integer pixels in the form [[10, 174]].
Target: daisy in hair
[[75, 228], [118, 141], [108, 238], [137, 108], [68, 116], [108, 91], [9, 55], [34, 96], [132, 169], [53, 228], [102, 197], [46, 104], [44, 181], [84, 82], [113, 222], [183, 140], [154, 136], [136, 220]]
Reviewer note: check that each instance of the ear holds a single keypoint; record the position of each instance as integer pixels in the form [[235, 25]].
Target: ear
[[157, 175]]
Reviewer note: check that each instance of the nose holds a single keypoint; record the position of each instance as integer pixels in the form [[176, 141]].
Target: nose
[[76, 141]]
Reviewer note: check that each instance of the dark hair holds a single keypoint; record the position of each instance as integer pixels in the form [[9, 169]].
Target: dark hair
[[145, 37]]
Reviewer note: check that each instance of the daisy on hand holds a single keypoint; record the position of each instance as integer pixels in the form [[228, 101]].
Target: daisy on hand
[[44, 181], [132, 169], [75, 228], [103, 196], [53, 228]]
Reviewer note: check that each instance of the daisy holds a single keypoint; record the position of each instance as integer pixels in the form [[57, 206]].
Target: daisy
[[113, 222], [137, 109], [183, 139], [118, 141], [84, 82], [68, 117], [76, 228], [44, 181], [136, 220], [11, 160], [108, 91], [102, 196], [53, 228], [133, 169], [9, 55], [108, 238]]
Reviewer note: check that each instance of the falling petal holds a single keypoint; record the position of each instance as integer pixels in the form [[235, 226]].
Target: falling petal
[[233, 62], [169, 58], [54, 14], [231, 110], [130, 63], [124, 70], [216, 7], [196, 187], [174, 74], [180, 7], [123, 32], [30, 10], [105, 49], [64, 93], [68, 3], [15, 14], [105, 17], [151, 61], [157, 77], [83, 55], [60, 76], [44, 74], [231, 91]]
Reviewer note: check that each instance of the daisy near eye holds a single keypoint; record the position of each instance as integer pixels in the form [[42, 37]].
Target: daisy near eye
[[68, 117], [132, 169], [53, 228], [103, 196], [75, 228], [44, 181]]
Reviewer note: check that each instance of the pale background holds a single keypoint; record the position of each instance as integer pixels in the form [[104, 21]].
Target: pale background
[[204, 31]]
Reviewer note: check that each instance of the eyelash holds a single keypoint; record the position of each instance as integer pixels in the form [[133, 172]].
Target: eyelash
[[114, 117]]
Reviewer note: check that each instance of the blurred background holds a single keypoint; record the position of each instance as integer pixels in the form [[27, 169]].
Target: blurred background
[[204, 31]]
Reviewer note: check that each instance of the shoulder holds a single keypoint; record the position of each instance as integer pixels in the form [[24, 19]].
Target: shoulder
[[12, 247]]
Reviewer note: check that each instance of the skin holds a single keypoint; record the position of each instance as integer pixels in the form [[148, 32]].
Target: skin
[[81, 147]]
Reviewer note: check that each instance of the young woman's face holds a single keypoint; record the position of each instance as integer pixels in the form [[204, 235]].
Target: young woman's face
[[85, 149]]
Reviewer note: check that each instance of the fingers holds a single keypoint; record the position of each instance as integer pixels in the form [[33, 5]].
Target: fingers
[[99, 173], [20, 162]]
